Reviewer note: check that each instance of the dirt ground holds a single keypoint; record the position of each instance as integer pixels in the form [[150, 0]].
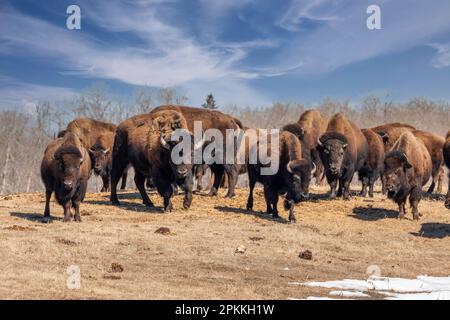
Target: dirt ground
[[216, 250]]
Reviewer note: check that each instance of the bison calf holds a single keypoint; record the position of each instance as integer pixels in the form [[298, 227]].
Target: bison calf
[[407, 169], [65, 170]]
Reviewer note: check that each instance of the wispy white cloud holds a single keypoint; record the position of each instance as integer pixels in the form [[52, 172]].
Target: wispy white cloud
[[300, 10], [442, 56], [347, 40]]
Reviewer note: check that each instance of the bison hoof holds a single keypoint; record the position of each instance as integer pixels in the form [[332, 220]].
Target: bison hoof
[[370, 195], [186, 206], [77, 219], [115, 202], [149, 204], [275, 216], [230, 195], [292, 221]]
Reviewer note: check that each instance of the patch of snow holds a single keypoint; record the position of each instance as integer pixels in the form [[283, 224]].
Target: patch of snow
[[421, 288], [349, 294]]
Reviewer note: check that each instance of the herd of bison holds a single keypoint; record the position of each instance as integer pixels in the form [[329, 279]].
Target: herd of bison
[[335, 148]]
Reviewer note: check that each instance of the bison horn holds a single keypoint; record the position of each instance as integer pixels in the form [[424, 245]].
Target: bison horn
[[319, 142], [313, 169], [288, 167], [106, 151], [164, 142]]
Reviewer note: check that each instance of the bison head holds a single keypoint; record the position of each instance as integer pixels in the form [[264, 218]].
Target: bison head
[[396, 165], [332, 150], [69, 161], [181, 146], [298, 177], [101, 160]]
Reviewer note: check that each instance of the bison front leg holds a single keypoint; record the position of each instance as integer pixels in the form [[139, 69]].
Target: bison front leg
[[188, 185], [67, 206], [332, 181], [440, 180], [401, 209], [345, 189], [77, 216], [289, 205], [48, 195], [414, 199], [105, 179]]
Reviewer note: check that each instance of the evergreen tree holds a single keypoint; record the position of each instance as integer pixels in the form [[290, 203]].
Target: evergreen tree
[[210, 103]]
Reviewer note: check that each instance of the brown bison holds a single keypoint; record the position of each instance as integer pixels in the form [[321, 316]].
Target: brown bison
[[313, 124], [446, 154], [343, 150], [407, 169], [65, 170], [144, 142], [292, 178], [373, 166], [390, 132], [434, 145], [98, 138], [212, 119]]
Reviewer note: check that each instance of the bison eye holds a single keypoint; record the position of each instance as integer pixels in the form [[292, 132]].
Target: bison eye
[[326, 151]]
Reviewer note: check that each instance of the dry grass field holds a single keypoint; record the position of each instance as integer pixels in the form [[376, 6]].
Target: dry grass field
[[121, 256]]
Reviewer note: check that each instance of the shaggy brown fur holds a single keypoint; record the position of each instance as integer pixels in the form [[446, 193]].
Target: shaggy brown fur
[[434, 145], [407, 168], [65, 170], [131, 147], [343, 151], [313, 124], [390, 132], [212, 119]]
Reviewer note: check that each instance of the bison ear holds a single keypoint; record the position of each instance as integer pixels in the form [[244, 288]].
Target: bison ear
[[301, 133]]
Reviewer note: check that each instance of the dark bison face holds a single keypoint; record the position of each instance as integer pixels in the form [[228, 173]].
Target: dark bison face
[[69, 164], [185, 156], [101, 159], [396, 166], [299, 174], [333, 152]]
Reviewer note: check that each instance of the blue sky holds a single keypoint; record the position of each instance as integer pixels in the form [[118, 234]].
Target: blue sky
[[246, 52]]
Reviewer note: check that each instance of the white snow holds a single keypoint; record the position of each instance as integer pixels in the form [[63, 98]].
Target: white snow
[[349, 294], [422, 288]]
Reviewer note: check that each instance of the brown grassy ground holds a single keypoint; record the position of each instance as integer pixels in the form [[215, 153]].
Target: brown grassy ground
[[197, 259]]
